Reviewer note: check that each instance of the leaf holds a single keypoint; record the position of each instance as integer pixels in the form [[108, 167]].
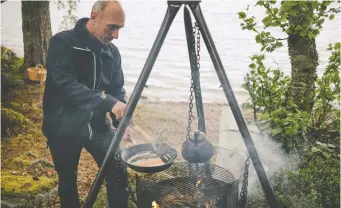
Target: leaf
[[322, 144], [266, 21], [316, 31], [303, 33], [276, 131], [327, 155], [331, 17], [315, 149], [252, 66], [275, 11], [250, 20], [258, 38], [242, 15], [332, 146], [261, 3]]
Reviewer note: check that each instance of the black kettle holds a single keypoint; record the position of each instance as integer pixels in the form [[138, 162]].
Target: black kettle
[[197, 148]]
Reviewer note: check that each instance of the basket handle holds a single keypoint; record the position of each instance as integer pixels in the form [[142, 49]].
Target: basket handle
[[40, 66]]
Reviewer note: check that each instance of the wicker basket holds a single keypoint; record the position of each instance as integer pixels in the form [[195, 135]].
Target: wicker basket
[[37, 73]]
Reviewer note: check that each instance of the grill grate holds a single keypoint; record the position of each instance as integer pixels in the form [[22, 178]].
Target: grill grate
[[187, 185], [184, 169]]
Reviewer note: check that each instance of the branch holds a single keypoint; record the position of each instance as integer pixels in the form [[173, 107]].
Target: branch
[[336, 10], [282, 39], [272, 58]]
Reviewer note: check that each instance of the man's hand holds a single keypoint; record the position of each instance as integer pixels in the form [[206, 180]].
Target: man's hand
[[118, 110]]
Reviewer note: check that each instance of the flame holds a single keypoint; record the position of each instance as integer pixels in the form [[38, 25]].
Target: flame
[[155, 205], [198, 182]]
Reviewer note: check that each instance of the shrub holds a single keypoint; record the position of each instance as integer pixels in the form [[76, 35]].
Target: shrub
[[313, 136], [12, 122]]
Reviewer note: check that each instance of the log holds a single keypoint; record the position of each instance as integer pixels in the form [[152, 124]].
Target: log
[[142, 132]]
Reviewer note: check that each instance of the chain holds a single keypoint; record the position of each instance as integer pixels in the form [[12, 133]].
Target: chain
[[243, 193], [190, 114], [121, 170]]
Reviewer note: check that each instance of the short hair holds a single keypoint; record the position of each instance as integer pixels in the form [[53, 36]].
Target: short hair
[[99, 6]]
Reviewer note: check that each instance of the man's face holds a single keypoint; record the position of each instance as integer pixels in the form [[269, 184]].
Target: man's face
[[108, 22]]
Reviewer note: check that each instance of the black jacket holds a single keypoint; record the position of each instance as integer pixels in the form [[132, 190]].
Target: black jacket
[[84, 81]]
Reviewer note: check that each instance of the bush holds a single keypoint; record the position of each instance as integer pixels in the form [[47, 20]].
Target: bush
[[12, 122], [313, 136]]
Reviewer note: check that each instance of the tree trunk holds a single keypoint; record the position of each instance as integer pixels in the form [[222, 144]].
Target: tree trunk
[[304, 61], [36, 27]]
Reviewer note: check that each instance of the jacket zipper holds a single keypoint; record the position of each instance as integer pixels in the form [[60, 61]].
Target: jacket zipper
[[94, 70], [89, 125], [100, 76]]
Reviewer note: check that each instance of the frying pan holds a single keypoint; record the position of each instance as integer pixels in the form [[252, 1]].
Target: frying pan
[[128, 153]]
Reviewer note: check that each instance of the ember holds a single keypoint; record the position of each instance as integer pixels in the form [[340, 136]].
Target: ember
[[198, 183], [155, 205]]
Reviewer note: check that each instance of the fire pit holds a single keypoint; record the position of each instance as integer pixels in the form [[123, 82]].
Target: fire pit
[[188, 185]]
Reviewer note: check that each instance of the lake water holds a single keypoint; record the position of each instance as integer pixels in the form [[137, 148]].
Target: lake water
[[170, 77]]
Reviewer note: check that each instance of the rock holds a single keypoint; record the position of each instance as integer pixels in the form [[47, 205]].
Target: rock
[[15, 173], [44, 199], [6, 205]]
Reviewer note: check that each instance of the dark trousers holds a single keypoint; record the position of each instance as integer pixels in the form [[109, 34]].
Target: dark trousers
[[66, 154]]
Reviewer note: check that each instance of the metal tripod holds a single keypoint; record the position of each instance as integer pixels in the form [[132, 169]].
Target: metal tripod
[[172, 10]]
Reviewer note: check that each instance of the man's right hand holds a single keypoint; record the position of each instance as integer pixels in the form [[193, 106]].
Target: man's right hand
[[118, 110]]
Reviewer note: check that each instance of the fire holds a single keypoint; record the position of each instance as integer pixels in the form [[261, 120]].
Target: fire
[[198, 183], [155, 205]]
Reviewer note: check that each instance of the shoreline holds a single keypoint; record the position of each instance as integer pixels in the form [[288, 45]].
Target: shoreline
[[241, 97]]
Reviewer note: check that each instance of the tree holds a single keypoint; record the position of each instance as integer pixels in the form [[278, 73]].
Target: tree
[[302, 22], [300, 111], [36, 27]]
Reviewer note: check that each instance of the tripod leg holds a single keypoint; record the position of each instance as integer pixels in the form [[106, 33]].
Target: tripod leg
[[194, 68], [168, 19], [234, 105]]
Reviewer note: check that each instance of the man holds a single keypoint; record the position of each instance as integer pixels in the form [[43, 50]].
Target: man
[[84, 82]]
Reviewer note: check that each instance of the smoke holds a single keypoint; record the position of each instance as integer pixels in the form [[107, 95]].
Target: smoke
[[273, 159]]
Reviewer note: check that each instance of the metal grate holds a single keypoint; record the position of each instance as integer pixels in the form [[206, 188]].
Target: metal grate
[[187, 185]]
